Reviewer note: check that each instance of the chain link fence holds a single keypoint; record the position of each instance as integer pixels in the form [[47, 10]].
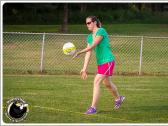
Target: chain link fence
[[42, 53]]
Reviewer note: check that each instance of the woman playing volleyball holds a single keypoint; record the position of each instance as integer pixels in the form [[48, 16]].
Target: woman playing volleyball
[[99, 42]]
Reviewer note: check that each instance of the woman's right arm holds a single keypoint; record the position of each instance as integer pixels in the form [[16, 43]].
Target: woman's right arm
[[85, 65]]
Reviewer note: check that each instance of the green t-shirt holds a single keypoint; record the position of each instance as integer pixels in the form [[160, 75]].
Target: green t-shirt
[[103, 49]]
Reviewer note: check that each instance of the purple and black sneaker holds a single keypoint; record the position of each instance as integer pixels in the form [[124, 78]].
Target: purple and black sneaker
[[91, 110], [119, 102]]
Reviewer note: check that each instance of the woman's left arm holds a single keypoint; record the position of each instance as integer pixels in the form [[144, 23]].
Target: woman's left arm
[[97, 40]]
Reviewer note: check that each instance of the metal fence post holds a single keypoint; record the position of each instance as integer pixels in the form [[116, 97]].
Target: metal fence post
[[140, 62], [42, 53]]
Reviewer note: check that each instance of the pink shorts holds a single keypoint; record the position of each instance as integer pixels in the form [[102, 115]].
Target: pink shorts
[[106, 69]]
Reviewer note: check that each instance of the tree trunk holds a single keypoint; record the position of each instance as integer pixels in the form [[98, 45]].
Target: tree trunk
[[64, 27], [83, 7]]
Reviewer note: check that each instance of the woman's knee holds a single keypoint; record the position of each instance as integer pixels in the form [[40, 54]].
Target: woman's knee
[[106, 83], [98, 80], [96, 83]]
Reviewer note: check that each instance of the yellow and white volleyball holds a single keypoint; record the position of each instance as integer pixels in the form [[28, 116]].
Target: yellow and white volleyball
[[69, 48]]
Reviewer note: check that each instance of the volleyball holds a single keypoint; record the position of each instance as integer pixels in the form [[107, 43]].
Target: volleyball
[[69, 48]]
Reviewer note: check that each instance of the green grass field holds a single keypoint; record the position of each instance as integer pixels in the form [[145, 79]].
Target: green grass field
[[64, 99], [114, 29], [60, 96]]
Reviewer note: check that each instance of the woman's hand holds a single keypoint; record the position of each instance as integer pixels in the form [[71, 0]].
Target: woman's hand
[[76, 54], [83, 74]]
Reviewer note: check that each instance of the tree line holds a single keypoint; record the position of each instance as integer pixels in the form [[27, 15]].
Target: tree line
[[75, 13]]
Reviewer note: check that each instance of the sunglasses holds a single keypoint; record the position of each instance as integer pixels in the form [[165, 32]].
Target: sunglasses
[[88, 23]]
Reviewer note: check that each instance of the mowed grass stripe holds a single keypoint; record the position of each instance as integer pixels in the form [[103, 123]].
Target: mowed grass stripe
[[83, 114], [145, 103]]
